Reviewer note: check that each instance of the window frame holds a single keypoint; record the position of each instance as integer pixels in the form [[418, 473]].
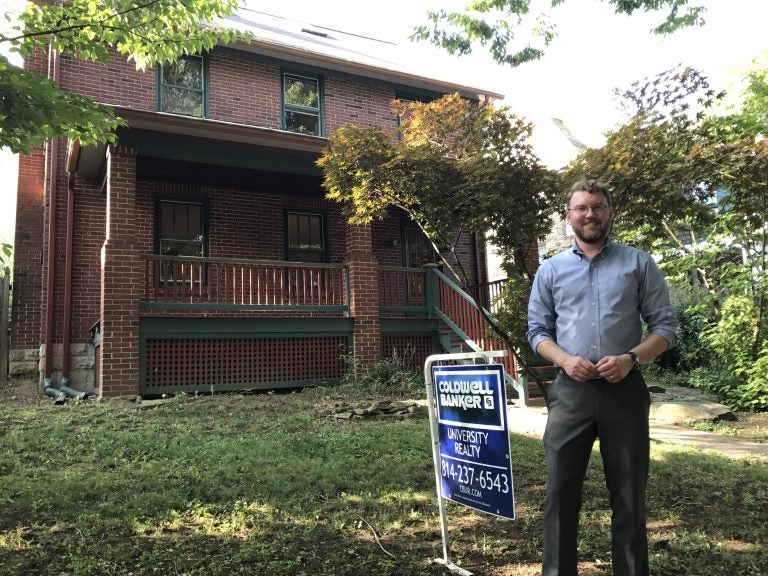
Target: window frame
[[174, 200], [204, 90], [323, 251], [407, 227], [286, 107]]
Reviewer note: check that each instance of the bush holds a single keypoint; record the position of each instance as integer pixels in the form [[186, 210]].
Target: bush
[[388, 377]]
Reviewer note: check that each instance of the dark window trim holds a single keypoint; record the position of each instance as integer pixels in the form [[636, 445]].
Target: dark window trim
[[320, 100], [406, 225], [323, 228], [206, 86], [182, 200]]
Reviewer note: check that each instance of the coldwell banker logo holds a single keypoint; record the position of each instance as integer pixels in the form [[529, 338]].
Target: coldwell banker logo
[[469, 398]]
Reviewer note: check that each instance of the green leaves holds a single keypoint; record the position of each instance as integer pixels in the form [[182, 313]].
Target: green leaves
[[33, 108], [454, 165], [497, 24]]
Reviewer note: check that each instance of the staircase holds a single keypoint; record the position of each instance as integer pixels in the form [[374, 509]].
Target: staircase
[[465, 329]]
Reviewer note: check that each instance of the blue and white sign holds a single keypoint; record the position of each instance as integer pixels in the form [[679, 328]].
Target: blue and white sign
[[475, 466]]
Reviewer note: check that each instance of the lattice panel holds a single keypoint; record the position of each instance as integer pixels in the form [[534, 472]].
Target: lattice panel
[[233, 363], [411, 351]]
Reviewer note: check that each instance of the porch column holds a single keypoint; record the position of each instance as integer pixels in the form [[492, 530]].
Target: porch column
[[121, 280], [364, 295]]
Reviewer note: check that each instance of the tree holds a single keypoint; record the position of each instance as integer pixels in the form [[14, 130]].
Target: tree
[[691, 187], [453, 166], [33, 108], [457, 32]]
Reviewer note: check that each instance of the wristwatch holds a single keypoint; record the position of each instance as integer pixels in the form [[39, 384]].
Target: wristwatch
[[635, 359]]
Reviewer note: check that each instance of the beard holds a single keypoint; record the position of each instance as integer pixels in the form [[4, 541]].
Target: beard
[[592, 232]]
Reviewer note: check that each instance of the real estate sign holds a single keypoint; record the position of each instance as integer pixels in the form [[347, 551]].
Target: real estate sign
[[473, 438]]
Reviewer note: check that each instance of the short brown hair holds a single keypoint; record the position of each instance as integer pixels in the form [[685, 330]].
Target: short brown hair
[[591, 186]]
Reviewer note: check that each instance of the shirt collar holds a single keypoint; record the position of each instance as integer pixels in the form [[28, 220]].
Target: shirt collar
[[577, 251]]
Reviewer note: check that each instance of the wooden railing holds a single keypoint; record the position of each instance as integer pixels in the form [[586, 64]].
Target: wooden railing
[[252, 283], [487, 295], [402, 287], [459, 311]]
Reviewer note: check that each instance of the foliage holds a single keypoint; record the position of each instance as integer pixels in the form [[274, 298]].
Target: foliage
[[388, 377], [33, 107], [496, 24], [691, 187], [512, 313], [454, 166], [692, 349], [229, 484]]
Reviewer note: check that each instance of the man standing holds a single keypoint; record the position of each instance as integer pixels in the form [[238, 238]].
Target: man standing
[[585, 315]]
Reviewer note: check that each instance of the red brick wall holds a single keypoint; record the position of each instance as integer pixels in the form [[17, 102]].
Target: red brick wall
[[364, 289], [116, 82], [357, 103], [121, 280], [244, 91], [28, 252], [240, 90]]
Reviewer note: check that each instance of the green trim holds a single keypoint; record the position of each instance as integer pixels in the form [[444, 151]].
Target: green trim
[[202, 328], [205, 90], [231, 307], [302, 109], [177, 147], [203, 203], [408, 327], [415, 310]]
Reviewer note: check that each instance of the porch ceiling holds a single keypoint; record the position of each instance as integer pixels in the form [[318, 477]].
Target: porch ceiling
[[172, 137]]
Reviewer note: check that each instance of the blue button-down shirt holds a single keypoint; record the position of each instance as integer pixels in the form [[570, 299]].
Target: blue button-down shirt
[[593, 308]]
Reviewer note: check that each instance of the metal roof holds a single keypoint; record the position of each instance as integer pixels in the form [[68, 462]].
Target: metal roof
[[308, 44]]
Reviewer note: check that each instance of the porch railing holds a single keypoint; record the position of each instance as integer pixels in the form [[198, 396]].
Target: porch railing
[[487, 295], [205, 282], [402, 289]]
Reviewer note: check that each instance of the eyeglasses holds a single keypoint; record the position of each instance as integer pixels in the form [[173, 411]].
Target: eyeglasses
[[597, 209]]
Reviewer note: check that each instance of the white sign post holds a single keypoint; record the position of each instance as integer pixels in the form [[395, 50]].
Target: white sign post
[[470, 438]]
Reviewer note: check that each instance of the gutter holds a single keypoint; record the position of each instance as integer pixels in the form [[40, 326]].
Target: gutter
[[52, 165]]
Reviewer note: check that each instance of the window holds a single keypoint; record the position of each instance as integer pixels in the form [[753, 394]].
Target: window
[[301, 104], [306, 237], [182, 86], [182, 231], [418, 250]]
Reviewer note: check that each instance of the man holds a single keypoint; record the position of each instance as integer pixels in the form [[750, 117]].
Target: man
[[584, 315]]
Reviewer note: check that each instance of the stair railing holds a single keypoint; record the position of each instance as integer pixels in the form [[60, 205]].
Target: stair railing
[[459, 311]]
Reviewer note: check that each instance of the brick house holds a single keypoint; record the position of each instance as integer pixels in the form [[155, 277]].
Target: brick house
[[199, 252]]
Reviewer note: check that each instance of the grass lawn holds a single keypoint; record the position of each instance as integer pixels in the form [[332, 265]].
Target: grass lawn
[[274, 485]]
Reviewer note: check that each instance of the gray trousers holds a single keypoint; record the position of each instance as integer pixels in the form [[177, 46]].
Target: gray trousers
[[617, 413]]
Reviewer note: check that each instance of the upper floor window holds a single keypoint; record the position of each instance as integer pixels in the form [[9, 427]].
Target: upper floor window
[[182, 229], [306, 237], [301, 104], [182, 86]]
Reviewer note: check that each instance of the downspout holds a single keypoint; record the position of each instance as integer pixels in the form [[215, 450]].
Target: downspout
[[69, 259], [52, 165]]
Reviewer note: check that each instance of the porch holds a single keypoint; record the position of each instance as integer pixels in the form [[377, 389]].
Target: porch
[[218, 324]]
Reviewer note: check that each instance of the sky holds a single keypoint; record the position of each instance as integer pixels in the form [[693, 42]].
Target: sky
[[594, 53]]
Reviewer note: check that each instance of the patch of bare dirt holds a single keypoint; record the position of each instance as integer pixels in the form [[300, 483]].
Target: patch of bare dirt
[[21, 391]]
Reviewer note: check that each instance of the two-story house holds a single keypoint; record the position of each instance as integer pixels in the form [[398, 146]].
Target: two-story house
[[199, 253]]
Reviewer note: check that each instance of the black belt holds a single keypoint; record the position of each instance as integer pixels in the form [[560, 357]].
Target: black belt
[[562, 372]]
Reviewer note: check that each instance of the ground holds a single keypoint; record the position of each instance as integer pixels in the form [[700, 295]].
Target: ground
[[748, 425]]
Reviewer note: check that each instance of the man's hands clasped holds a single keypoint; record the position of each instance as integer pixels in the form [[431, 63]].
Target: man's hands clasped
[[611, 368]]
